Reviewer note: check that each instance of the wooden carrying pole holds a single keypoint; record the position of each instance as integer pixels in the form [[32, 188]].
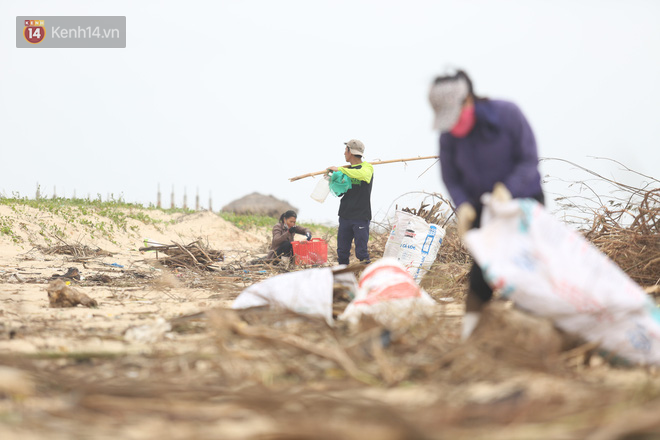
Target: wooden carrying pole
[[379, 162]]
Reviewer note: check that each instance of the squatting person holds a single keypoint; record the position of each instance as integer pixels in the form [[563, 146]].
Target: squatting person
[[283, 234]]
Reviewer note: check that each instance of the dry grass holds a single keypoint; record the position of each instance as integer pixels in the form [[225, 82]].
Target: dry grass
[[622, 221], [633, 244]]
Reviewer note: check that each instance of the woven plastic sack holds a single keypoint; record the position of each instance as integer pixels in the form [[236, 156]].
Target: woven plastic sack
[[387, 292], [307, 291], [552, 271], [340, 183], [414, 243], [401, 219]]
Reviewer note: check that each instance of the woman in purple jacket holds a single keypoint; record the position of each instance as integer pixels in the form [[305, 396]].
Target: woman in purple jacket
[[482, 142]]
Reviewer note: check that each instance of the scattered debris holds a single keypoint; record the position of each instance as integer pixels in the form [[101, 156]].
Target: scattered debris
[[16, 278], [102, 278], [71, 274], [60, 295]]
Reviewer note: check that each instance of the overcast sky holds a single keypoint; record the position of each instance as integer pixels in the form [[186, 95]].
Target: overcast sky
[[233, 97]]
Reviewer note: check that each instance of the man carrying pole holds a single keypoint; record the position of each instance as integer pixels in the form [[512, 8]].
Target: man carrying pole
[[355, 205]]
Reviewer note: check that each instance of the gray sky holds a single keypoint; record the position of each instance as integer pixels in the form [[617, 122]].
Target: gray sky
[[233, 97]]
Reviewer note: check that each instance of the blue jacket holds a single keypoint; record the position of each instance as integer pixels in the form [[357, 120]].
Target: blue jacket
[[500, 148]]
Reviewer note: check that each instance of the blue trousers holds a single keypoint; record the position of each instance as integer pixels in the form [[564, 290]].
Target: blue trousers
[[348, 231]]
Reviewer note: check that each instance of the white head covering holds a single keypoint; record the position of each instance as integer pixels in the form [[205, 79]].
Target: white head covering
[[447, 98]]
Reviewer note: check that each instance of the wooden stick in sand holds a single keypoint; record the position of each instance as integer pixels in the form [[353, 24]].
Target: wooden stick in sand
[[379, 162]]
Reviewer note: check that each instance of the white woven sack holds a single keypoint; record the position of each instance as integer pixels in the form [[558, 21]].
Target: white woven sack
[[401, 219], [416, 254], [306, 291], [552, 271]]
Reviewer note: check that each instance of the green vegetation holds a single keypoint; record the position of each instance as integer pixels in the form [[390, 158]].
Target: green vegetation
[[114, 217], [6, 228], [76, 212], [247, 222], [323, 231]]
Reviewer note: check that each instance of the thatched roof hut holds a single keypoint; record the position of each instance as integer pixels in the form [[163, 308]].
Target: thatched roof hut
[[258, 204]]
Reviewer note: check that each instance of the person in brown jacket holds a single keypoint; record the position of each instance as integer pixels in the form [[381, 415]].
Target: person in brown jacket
[[283, 234]]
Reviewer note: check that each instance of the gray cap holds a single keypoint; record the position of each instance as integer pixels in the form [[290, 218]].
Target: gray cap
[[355, 147], [446, 98]]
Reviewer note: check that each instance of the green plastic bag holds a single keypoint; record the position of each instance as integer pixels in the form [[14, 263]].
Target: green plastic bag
[[340, 183]]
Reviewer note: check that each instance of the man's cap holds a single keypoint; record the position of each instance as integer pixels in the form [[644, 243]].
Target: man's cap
[[355, 147], [447, 98]]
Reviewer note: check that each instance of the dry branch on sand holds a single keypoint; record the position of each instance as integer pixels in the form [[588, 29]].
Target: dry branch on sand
[[75, 250], [193, 256]]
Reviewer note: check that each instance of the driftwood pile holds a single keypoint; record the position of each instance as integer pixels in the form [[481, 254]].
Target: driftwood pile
[[192, 256]]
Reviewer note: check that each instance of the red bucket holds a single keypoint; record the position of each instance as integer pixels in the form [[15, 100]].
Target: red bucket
[[314, 251]]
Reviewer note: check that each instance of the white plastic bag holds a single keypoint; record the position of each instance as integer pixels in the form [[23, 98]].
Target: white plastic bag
[[552, 271], [307, 291], [387, 292], [414, 243]]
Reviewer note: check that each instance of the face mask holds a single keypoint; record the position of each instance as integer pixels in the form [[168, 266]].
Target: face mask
[[465, 122]]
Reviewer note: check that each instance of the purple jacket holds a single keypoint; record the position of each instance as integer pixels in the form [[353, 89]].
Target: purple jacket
[[500, 148]]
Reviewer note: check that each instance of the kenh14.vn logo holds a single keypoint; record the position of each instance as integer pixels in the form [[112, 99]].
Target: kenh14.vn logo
[[34, 31]]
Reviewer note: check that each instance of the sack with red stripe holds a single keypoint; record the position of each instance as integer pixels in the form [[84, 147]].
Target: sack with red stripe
[[388, 293]]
